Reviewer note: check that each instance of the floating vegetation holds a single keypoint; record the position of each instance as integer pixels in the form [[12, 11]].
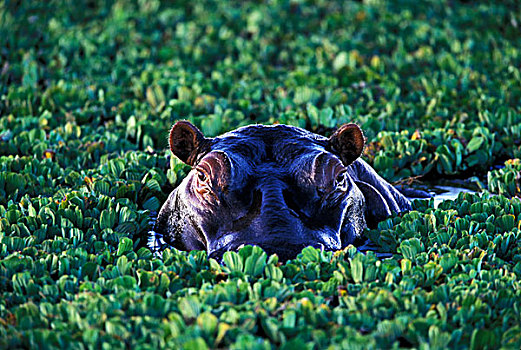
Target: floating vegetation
[[88, 94], [507, 180]]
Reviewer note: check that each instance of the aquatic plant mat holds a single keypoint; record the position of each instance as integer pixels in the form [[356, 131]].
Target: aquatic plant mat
[[89, 90]]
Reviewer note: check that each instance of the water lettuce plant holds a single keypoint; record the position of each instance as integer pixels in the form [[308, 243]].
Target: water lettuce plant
[[507, 180], [89, 89]]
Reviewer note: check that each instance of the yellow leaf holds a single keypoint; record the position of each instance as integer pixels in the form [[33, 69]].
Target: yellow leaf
[[417, 135]]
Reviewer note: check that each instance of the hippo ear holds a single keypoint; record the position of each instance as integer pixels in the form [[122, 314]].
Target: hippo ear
[[186, 141], [347, 142]]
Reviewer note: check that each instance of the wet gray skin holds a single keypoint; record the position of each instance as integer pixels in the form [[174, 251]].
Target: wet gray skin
[[279, 187]]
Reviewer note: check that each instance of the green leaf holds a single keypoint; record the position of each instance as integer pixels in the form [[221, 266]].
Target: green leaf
[[155, 96], [190, 307], [152, 204], [357, 268], [313, 115], [207, 322], [411, 248], [107, 219], [125, 245], [254, 263], [475, 143], [233, 261], [211, 125]]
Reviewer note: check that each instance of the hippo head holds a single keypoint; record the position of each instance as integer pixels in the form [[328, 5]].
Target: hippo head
[[279, 187]]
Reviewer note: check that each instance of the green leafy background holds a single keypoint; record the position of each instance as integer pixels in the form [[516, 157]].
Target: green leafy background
[[89, 89]]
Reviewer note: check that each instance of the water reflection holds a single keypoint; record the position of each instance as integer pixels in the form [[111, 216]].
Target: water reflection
[[450, 193], [441, 193]]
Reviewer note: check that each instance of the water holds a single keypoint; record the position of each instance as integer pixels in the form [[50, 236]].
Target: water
[[369, 245], [442, 193], [450, 193]]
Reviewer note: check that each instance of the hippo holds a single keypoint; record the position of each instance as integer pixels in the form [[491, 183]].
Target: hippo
[[279, 187]]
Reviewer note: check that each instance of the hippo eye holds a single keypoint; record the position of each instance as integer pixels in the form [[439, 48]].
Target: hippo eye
[[202, 177], [203, 186]]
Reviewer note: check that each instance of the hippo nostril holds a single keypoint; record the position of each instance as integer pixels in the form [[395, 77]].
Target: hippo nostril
[[295, 208]]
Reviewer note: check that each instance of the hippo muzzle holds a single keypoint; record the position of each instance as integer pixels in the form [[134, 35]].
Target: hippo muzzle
[[279, 187]]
